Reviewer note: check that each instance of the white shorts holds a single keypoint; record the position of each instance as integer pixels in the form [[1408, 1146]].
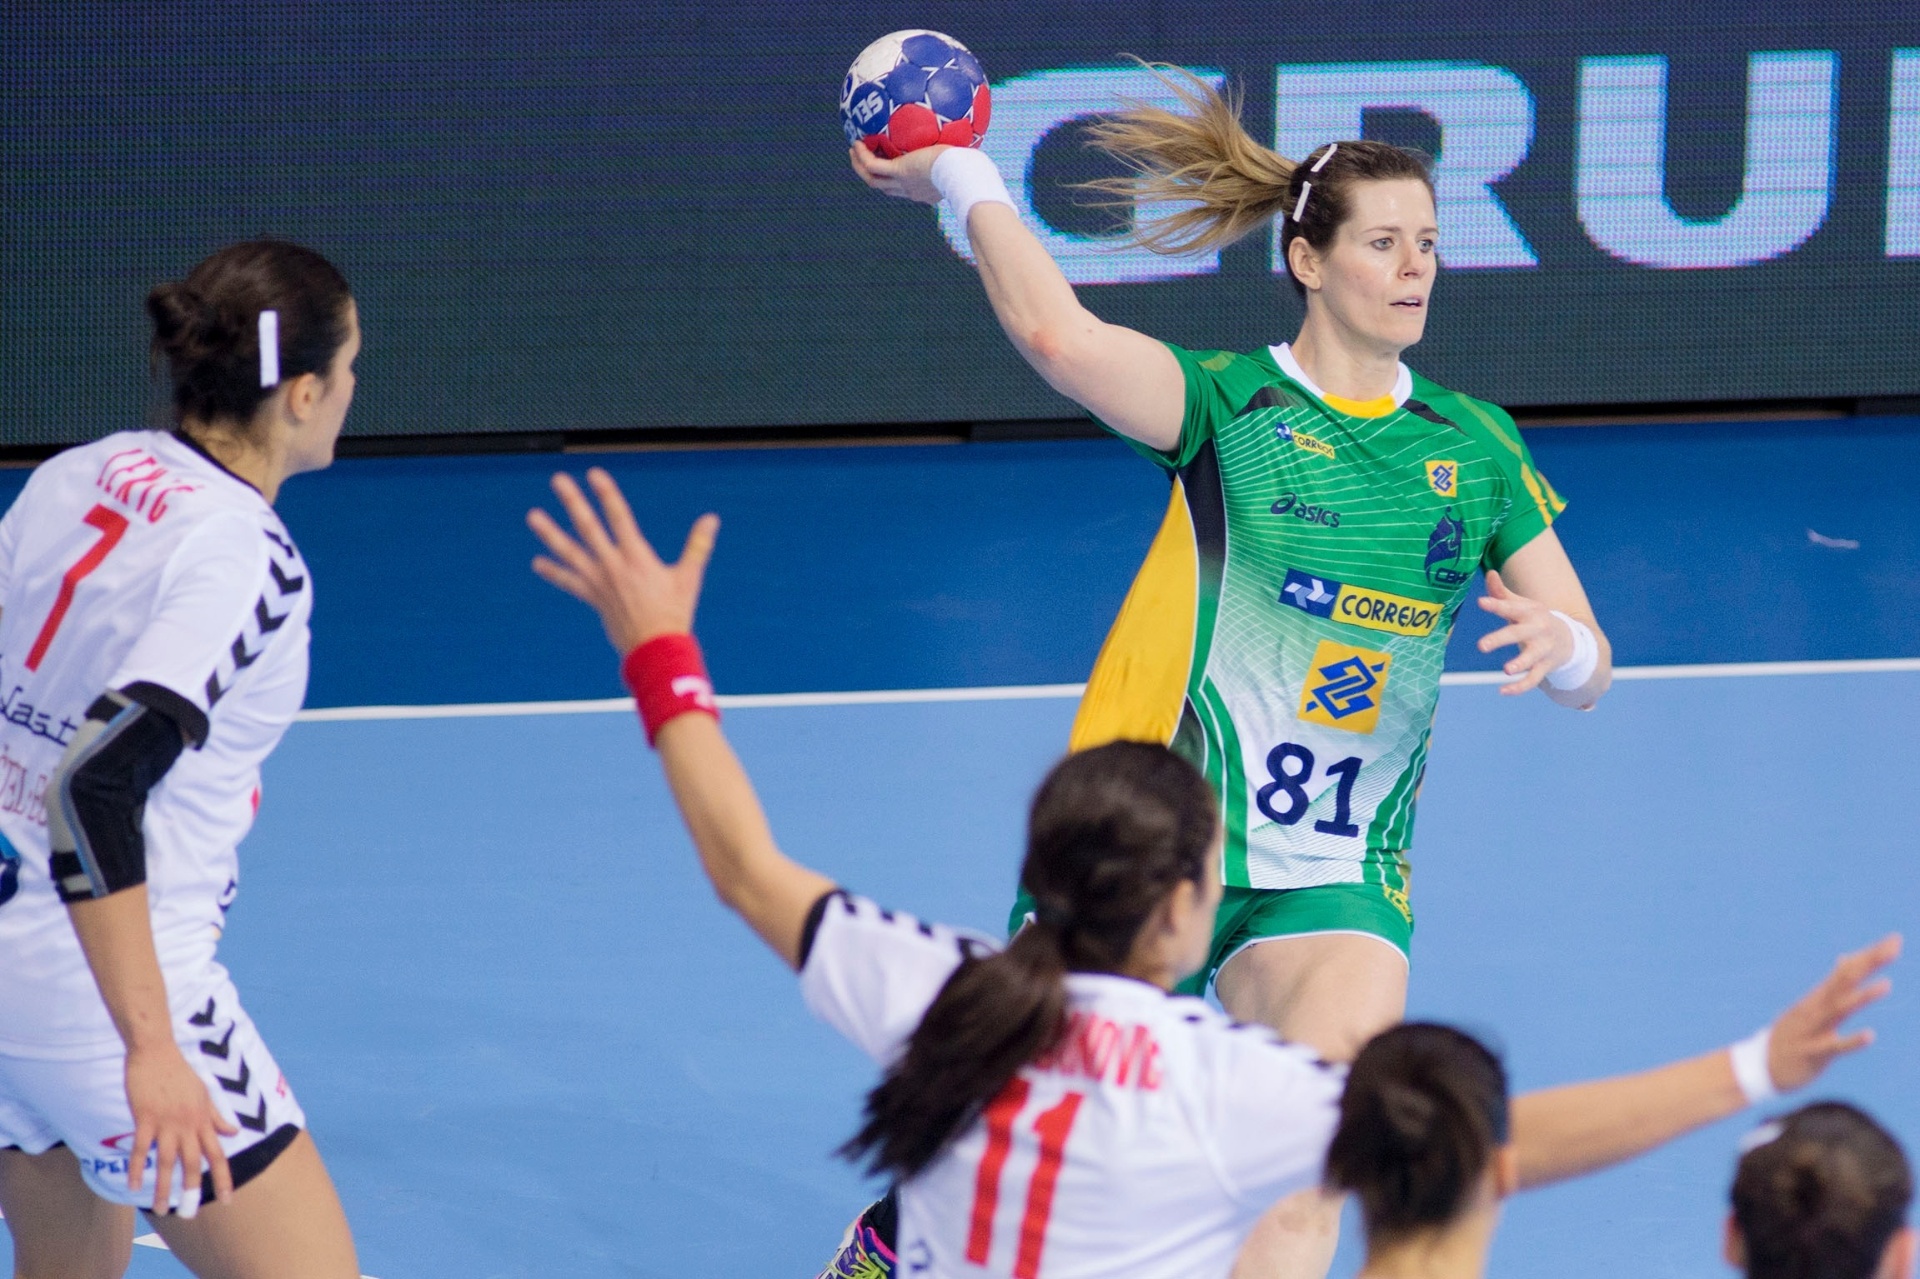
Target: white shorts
[[82, 1103]]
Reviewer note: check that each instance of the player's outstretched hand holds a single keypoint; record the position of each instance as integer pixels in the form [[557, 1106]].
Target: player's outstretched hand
[[1806, 1039], [1545, 642], [910, 177], [175, 1118], [637, 594]]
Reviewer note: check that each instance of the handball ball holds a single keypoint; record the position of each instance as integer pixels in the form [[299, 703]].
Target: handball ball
[[915, 89]]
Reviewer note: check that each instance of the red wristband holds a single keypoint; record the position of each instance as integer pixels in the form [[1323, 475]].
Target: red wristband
[[668, 678]]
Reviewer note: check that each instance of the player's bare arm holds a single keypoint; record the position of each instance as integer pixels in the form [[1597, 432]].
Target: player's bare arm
[[1537, 581], [609, 565], [1580, 1128], [174, 1117], [1125, 378]]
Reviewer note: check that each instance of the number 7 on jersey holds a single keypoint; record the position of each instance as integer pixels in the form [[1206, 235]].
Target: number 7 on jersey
[[112, 526]]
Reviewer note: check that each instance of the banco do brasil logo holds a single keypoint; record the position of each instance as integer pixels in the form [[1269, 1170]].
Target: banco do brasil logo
[[1344, 687], [1444, 545]]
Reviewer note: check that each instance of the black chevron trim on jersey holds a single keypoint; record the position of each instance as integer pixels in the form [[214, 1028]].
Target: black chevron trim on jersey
[[204, 1017], [287, 585], [1268, 397], [1420, 408], [256, 1122], [212, 1048], [215, 690], [268, 622], [241, 1084], [279, 541], [241, 657]]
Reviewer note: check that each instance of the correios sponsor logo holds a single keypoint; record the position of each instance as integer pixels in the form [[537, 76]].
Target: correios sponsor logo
[[1298, 507], [1359, 605], [1301, 440]]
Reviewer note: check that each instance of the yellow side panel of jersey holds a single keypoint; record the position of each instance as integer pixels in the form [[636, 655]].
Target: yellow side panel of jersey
[[1139, 681]]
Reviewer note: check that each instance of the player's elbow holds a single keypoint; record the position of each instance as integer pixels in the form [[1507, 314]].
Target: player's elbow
[[1062, 351]]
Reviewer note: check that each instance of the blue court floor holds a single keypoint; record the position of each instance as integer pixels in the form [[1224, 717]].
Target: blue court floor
[[532, 1044]]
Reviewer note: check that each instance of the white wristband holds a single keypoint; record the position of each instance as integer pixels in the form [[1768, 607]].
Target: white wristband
[[965, 177], [1579, 668], [1749, 1058]]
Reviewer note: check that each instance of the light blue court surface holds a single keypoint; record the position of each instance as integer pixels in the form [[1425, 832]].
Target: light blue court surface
[[532, 1044]]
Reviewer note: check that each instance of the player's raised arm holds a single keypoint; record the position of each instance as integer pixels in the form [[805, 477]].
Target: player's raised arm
[[1580, 1128], [647, 607], [1128, 380]]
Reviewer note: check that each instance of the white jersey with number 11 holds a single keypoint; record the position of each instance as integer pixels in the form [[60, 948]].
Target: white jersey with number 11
[[1144, 1145]]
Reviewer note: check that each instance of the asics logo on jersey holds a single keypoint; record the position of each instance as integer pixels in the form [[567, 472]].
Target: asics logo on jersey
[[1295, 505], [1444, 545], [1344, 687], [1359, 605], [1444, 476]]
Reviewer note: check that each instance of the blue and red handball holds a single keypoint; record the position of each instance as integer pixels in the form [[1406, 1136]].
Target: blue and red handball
[[915, 89]]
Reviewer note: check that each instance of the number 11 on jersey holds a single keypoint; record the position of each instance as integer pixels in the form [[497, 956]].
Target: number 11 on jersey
[[1051, 1126]]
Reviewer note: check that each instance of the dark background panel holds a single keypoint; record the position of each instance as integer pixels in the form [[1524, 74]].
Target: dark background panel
[[610, 216]]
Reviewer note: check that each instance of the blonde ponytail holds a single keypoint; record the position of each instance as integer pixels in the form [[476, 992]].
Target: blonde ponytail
[[1224, 184], [1219, 184]]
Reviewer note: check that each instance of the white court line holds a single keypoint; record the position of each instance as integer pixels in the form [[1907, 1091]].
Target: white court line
[[1041, 692]]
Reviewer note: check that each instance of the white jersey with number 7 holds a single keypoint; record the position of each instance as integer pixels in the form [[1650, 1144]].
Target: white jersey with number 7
[[138, 560], [1145, 1144]]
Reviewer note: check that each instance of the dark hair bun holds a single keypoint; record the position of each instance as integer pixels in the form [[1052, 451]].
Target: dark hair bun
[[1408, 1112], [187, 328], [1822, 1197], [1424, 1109], [206, 327]]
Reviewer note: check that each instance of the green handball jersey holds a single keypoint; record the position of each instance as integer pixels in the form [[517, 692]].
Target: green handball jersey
[[1288, 629]]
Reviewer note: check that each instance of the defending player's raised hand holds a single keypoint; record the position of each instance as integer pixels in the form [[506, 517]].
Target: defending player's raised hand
[[1545, 641], [909, 178], [1806, 1038], [611, 567], [175, 1118]]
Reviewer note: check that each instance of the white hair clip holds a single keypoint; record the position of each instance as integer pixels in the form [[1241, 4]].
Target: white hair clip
[[269, 348], [1300, 205], [1763, 1135]]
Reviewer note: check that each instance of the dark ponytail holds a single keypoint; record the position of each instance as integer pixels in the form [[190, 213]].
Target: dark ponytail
[[1823, 1197], [1111, 832], [1425, 1109], [206, 328]]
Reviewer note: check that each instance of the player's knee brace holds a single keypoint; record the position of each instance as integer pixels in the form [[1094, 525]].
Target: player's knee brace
[[97, 796]]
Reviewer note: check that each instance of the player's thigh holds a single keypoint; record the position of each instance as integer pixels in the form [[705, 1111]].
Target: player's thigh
[[1332, 991], [286, 1223], [61, 1229]]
